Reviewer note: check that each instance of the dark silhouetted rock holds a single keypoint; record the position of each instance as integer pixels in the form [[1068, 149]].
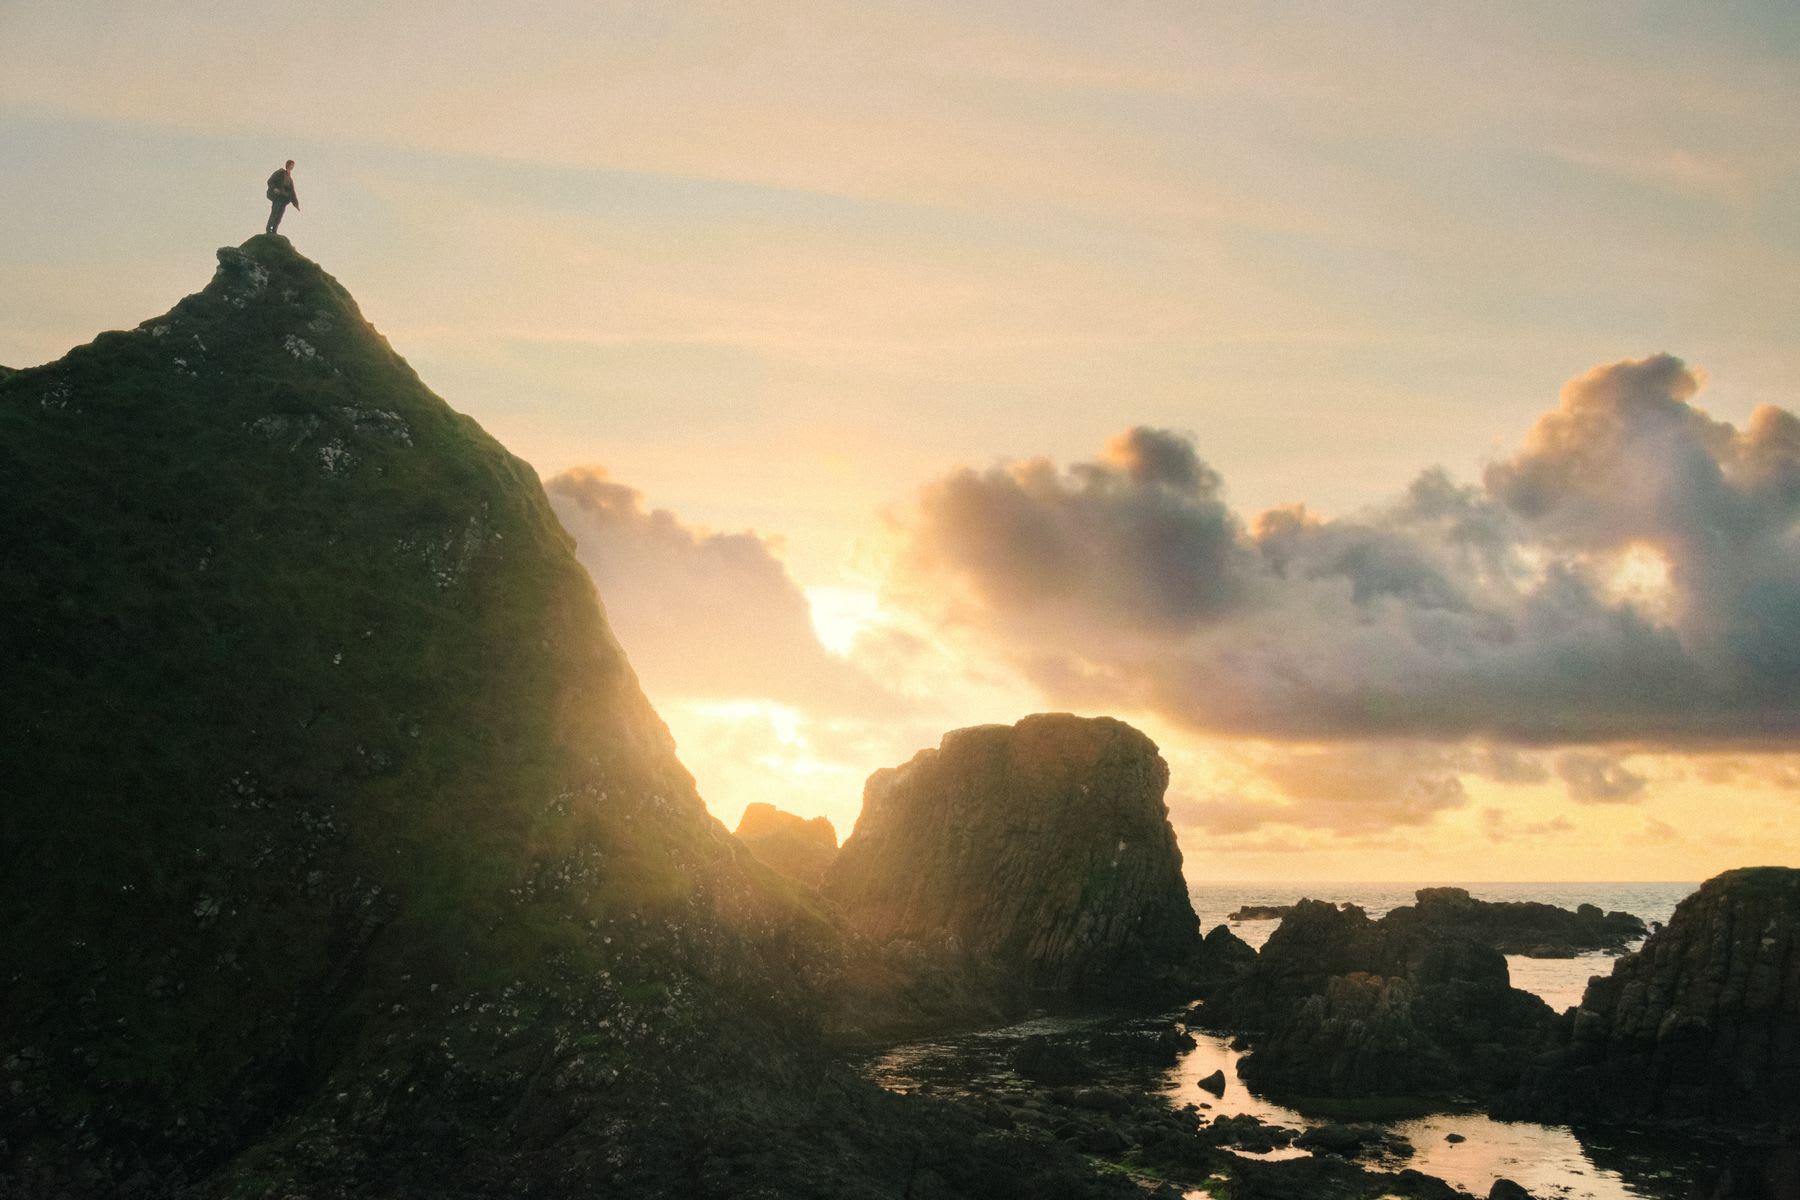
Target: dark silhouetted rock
[[1521, 927], [1158, 1047], [1506, 1189], [1329, 1177], [1701, 1024], [1260, 912], [1247, 1132], [1224, 957], [1214, 1083], [1546, 950], [1342, 1006], [1039, 1058], [1347, 1141], [1105, 1100], [1043, 848], [795, 846]]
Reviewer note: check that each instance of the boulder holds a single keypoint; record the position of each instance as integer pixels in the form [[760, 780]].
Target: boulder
[[793, 846], [1214, 1083], [1044, 848]]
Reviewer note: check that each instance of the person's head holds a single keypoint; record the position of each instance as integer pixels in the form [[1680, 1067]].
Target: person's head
[[290, 164]]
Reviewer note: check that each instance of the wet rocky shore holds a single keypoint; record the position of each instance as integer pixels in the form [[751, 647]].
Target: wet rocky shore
[[1163, 1102]]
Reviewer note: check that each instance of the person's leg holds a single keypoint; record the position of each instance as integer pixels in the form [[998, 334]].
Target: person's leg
[[276, 208]]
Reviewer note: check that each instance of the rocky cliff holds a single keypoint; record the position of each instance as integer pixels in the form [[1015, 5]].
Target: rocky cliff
[[795, 846], [1342, 1006], [342, 853], [1042, 850], [1701, 1024]]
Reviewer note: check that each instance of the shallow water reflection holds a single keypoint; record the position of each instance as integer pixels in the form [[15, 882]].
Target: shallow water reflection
[[1547, 1160]]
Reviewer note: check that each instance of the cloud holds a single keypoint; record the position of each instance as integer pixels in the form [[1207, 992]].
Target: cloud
[[1366, 786], [1769, 770], [1354, 787], [1597, 778], [1140, 535], [1499, 826], [704, 615], [1654, 833], [1631, 574]]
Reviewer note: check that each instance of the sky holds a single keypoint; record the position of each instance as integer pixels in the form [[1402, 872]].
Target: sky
[[1387, 407]]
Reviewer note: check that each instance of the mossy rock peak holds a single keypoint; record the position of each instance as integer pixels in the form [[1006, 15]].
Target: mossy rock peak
[[330, 789]]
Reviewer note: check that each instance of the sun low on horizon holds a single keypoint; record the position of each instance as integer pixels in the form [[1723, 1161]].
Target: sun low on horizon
[[1390, 412]]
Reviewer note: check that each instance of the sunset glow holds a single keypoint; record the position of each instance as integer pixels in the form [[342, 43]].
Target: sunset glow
[[1400, 429]]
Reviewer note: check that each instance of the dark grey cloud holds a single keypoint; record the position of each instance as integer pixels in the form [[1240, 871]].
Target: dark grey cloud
[[1141, 535], [1631, 574], [1594, 777], [704, 615]]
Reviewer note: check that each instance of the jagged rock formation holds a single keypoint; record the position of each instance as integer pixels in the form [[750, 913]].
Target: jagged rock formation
[[795, 846], [1343, 1006], [342, 853], [1701, 1024], [1042, 849]]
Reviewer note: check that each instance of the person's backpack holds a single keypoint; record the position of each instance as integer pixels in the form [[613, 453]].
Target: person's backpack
[[277, 186]]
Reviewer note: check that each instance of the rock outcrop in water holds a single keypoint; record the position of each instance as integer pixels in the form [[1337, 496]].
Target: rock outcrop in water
[[1041, 851], [1509, 926], [795, 846], [1702, 1024], [344, 856], [1342, 1006], [1522, 926]]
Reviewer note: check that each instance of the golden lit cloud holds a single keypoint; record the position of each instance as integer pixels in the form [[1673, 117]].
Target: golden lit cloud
[[1631, 575]]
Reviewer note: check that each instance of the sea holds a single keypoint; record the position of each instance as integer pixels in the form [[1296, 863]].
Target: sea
[[1547, 1160]]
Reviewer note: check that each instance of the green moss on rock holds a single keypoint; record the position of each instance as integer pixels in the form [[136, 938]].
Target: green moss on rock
[[343, 854]]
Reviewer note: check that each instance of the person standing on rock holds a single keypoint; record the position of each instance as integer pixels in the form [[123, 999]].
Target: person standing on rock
[[281, 194]]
